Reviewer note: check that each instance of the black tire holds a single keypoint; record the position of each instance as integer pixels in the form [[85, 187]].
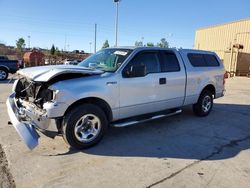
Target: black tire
[[74, 116], [198, 107], [3, 73]]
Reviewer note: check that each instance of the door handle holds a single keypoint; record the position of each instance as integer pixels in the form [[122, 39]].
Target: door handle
[[162, 81]]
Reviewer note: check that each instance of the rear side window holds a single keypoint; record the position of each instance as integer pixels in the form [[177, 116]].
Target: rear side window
[[211, 60], [169, 62], [197, 60], [203, 60]]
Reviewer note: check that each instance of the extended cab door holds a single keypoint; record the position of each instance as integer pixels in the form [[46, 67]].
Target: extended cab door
[[171, 93], [138, 93]]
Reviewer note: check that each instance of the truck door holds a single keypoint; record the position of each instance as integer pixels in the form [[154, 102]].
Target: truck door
[[172, 82], [138, 94]]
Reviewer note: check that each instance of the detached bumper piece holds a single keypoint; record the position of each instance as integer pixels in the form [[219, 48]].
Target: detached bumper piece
[[25, 129]]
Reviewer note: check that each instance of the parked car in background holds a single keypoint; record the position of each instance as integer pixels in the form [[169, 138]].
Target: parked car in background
[[46, 61], [71, 62], [7, 66], [67, 61], [116, 86], [76, 62]]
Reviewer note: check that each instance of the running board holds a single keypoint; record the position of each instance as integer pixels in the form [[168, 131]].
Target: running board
[[125, 123]]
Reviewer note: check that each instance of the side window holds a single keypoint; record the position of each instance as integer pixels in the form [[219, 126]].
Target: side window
[[203, 60], [197, 60], [211, 60], [149, 59], [169, 62]]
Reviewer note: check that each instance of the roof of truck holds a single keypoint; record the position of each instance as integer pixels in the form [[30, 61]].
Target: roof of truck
[[155, 48]]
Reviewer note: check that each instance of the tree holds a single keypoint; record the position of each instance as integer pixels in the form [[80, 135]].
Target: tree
[[20, 44], [150, 44], [138, 43], [163, 43], [105, 44], [57, 51], [52, 50]]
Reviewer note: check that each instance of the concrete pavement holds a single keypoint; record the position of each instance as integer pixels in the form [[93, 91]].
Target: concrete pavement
[[179, 151]]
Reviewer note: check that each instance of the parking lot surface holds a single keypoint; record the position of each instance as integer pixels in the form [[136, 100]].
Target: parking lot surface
[[178, 151]]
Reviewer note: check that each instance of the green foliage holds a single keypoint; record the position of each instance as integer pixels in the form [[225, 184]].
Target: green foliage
[[105, 44], [138, 43], [150, 44], [52, 50], [57, 51], [20, 44], [163, 43]]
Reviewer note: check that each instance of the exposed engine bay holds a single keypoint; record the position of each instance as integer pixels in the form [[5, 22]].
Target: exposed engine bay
[[38, 92]]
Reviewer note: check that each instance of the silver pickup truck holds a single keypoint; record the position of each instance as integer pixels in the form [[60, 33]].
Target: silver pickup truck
[[114, 87]]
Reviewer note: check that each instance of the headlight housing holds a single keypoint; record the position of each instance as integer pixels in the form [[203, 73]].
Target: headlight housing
[[54, 94], [50, 95]]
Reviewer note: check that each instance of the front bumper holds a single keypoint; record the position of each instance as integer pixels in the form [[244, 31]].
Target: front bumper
[[25, 129]]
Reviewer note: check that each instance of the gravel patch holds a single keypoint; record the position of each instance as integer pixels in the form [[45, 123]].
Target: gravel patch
[[6, 179]]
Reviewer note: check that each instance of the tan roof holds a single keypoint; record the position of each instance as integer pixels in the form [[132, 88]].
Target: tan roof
[[217, 25]]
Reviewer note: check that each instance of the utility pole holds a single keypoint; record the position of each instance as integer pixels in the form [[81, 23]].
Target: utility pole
[[65, 42], [95, 38], [29, 41], [90, 47], [116, 22]]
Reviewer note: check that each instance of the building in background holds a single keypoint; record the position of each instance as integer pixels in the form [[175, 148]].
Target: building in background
[[231, 41]]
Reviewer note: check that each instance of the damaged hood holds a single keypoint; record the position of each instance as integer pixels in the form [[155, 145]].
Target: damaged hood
[[46, 73]]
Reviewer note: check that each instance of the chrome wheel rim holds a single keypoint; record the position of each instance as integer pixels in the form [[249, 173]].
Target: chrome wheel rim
[[87, 128], [206, 103], [2, 74]]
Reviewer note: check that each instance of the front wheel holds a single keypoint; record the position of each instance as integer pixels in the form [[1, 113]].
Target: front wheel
[[84, 126], [204, 105]]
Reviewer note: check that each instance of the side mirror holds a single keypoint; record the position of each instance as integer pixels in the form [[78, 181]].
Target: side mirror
[[135, 71]]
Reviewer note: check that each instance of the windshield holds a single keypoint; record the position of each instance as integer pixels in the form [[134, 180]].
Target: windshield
[[107, 60]]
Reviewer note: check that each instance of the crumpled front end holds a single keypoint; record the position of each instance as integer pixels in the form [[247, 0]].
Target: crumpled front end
[[32, 107], [25, 129]]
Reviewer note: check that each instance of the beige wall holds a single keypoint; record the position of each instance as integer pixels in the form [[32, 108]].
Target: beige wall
[[220, 38]]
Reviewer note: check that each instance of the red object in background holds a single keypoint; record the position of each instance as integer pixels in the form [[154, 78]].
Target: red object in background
[[226, 74], [33, 58]]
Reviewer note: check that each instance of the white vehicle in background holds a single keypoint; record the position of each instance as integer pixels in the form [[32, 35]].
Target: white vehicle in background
[[67, 61], [114, 87], [71, 62], [46, 62]]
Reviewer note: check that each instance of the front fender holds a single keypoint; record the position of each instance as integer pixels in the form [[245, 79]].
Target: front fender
[[74, 90]]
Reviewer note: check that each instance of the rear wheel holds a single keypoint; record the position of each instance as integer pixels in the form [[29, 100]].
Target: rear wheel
[[3, 74], [84, 126], [204, 105]]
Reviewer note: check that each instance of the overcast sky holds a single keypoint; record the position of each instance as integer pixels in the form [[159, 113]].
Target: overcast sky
[[67, 22]]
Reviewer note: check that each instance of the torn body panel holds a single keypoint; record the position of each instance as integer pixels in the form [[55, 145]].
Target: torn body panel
[[47, 73], [25, 130], [32, 106]]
